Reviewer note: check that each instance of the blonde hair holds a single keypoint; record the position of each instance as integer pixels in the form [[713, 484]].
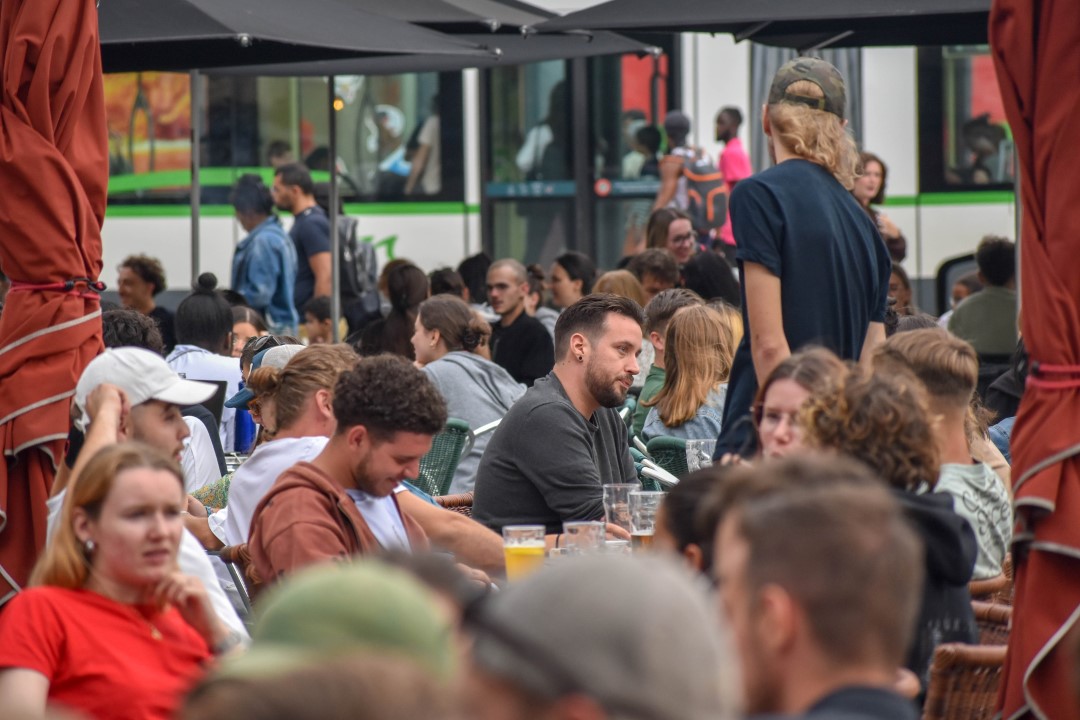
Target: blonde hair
[[815, 135], [310, 370], [622, 283], [946, 365], [698, 350], [732, 316], [65, 563]]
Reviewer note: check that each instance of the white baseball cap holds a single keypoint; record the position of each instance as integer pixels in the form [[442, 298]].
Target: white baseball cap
[[142, 375]]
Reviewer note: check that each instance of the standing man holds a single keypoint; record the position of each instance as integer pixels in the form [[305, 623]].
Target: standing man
[[343, 503], [734, 163], [564, 440], [519, 343], [812, 266], [294, 191], [264, 264]]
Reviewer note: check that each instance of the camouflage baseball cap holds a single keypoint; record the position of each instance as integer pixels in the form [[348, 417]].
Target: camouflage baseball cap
[[817, 71]]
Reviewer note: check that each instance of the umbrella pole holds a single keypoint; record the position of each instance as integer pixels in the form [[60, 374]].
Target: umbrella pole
[[335, 241], [196, 167]]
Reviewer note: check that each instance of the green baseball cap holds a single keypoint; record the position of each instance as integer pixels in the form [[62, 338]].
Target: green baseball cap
[[817, 71]]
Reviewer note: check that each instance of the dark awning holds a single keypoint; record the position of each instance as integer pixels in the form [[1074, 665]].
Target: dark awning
[[200, 34], [795, 23]]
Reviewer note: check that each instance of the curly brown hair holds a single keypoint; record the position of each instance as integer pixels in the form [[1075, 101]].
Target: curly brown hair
[[149, 269], [388, 394], [882, 420]]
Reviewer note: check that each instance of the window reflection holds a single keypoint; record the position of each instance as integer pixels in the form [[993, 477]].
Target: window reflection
[[977, 144]]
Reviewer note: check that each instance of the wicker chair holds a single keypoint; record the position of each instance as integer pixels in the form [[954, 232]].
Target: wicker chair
[[458, 503], [994, 621], [964, 682], [991, 589], [438, 466], [670, 454]]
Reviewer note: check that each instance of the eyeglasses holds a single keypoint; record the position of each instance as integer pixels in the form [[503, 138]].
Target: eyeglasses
[[690, 237], [769, 420]]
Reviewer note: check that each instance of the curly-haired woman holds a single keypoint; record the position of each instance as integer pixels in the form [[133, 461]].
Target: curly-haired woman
[[884, 421]]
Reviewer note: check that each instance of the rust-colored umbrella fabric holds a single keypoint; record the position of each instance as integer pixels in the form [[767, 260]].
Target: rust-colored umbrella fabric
[[1036, 48], [54, 166]]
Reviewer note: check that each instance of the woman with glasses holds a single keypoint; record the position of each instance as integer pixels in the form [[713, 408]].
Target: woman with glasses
[[247, 324], [784, 394], [109, 626], [670, 229]]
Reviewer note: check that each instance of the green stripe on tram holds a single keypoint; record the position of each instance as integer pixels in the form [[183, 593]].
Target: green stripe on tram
[[987, 197], [116, 210]]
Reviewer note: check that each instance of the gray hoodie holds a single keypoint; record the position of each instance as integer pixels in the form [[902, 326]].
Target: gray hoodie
[[477, 391]]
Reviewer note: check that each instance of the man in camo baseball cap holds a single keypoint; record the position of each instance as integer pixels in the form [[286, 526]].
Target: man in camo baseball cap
[[814, 70]]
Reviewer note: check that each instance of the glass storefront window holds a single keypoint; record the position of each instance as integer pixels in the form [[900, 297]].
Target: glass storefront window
[[965, 141]]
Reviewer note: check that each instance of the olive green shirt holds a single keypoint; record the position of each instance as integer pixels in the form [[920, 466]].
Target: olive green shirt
[[987, 320], [653, 382]]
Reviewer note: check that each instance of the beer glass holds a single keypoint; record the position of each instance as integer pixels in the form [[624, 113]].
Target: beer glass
[[643, 508], [523, 546]]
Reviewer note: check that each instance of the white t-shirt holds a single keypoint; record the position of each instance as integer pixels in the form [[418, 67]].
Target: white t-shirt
[[192, 559], [253, 480], [198, 460], [431, 180], [194, 363], [980, 497], [382, 516]]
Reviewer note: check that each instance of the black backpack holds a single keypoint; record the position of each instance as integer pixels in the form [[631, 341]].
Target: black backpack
[[707, 192], [359, 271]]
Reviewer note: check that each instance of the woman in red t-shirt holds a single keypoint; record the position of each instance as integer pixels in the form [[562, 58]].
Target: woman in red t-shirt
[[110, 628]]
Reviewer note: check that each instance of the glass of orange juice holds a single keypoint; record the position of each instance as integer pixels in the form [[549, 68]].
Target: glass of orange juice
[[523, 546]]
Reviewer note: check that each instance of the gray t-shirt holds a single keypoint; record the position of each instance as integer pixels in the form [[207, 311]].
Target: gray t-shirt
[[546, 464], [980, 497]]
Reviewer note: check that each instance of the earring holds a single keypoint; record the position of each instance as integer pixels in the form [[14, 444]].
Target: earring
[[89, 547], [580, 358]]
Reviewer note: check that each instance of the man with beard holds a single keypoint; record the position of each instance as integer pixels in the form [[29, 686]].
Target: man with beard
[[563, 440], [343, 503]]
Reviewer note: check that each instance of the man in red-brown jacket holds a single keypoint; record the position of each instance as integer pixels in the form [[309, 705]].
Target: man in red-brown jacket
[[343, 502]]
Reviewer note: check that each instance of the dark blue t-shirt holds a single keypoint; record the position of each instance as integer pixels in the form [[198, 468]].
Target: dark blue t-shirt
[[311, 234], [800, 223]]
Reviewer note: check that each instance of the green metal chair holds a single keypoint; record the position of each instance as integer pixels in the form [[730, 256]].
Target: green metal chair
[[670, 454], [626, 412], [438, 466]]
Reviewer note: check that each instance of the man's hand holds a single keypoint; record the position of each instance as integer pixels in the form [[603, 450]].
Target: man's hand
[[109, 403]]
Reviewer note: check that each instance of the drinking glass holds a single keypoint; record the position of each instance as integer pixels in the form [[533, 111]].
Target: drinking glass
[[582, 536], [617, 503], [523, 546], [644, 506]]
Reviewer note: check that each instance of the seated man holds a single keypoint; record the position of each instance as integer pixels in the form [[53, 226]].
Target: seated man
[[563, 440], [820, 575], [519, 342], [342, 503], [949, 370], [987, 319]]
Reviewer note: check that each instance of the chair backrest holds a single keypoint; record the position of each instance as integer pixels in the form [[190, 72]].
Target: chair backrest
[[964, 682], [626, 412], [438, 466], [670, 454], [994, 621], [458, 503], [991, 589], [237, 560]]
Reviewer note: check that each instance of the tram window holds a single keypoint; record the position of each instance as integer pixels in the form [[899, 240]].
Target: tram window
[[965, 141], [148, 116], [627, 103], [384, 124], [530, 123]]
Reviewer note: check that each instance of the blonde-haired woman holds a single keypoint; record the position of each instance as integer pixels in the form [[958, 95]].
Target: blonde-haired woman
[[698, 349], [813, 266], [110, 627]]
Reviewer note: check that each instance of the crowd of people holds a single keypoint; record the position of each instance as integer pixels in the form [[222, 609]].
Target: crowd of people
[[859, 481]]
